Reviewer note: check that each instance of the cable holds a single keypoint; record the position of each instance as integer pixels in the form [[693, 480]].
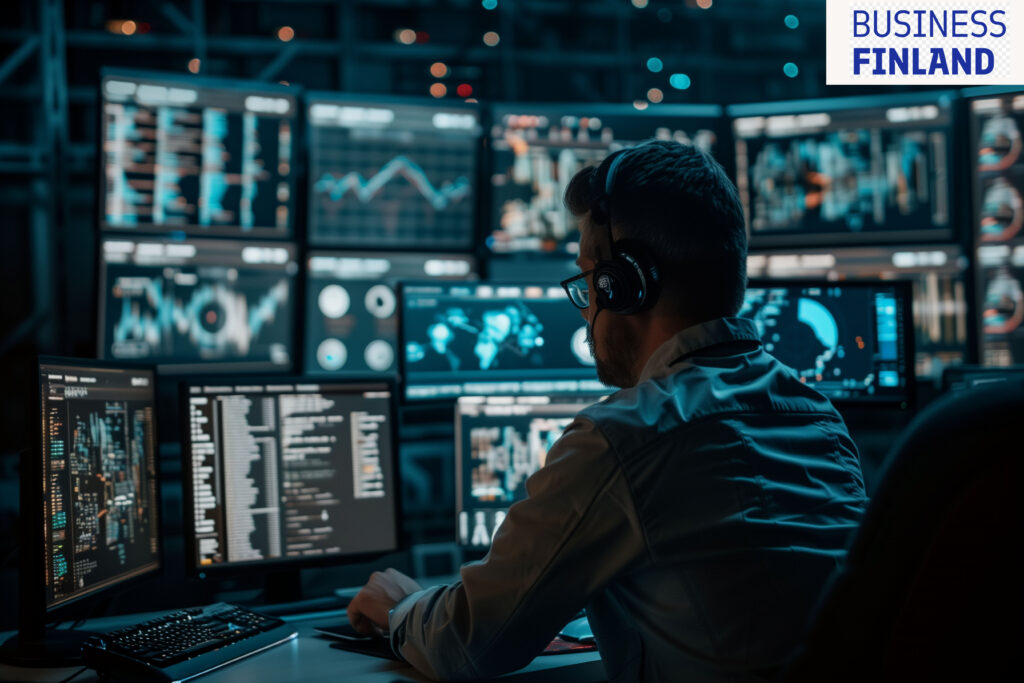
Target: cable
[[75, 675]]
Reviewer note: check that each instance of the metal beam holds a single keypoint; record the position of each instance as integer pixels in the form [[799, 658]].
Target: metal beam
[[177, 17], [279, 62], [16, 58]]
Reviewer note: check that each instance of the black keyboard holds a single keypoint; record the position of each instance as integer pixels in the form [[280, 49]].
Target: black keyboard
[[184, 644]]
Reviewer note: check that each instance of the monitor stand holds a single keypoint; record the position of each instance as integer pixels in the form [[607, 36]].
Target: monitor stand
[[283, 586], [56, 648], [282, 595]]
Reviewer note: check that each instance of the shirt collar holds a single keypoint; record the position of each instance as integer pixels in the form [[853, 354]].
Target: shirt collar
[[696, 338]]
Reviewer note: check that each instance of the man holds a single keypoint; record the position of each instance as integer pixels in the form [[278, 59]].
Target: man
[[696, 513]]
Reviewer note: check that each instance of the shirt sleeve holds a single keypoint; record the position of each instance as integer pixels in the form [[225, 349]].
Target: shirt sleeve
[[575, 531]]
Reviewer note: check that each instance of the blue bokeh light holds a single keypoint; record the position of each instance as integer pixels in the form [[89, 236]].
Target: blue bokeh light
[[490, 4], [654, 65], [791, 70], [792, 21], [679, 81]]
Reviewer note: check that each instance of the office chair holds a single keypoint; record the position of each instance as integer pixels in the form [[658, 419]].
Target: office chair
[[932, 586]]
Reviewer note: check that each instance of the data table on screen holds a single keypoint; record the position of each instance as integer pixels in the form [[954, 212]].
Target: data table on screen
[[197, 156]]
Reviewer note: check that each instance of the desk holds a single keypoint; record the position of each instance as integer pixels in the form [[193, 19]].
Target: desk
[[310, 658]]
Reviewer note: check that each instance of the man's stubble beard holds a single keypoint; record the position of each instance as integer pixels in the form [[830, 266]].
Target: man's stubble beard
[[615, 369]]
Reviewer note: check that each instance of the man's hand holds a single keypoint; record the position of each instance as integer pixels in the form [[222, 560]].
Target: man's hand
[[368, 611]]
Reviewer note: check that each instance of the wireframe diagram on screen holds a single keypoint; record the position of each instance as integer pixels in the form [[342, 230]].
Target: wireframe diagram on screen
[[205, 157], [847, 341], [488, 338], [536, 150], [352, 306], [186, 303], [100, 479], [391, 175], [500, 443], [844, 171]]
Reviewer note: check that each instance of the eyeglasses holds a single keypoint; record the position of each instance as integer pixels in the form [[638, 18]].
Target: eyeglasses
[[578, 289]]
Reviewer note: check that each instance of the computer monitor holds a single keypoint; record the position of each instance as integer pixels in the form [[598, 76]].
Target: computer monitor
[[90, 506], [198, 305], [392, 173], [536, 149], [493, 338], [198, 155], [500, 441], [859, 170], [997, 122], [852, 341], [352, 306], [943, 331], [288, 473]]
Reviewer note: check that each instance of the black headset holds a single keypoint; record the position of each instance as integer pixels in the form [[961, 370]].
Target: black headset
[[628, 282]]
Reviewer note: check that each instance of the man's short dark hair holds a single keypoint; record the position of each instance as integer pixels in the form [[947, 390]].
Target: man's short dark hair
[[678, 202]]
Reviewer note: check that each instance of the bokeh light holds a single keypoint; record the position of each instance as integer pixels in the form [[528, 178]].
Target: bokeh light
[[194, 64], [405, 36], [791, 70], [491, 38], [654, 65], [438, 69], [438, 90], [490, 4], [655, 95], [464, 90], [640, 104], [679, 81], [792, 21], [285, 33], [704, 4], [640, 4]]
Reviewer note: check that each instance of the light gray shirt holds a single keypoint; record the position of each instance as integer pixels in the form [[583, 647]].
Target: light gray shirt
[[696, 516]]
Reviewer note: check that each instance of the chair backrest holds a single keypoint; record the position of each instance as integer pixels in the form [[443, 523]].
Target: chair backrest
[[932, 585]]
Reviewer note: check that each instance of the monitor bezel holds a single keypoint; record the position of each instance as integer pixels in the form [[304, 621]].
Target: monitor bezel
[[512, 399], [198, 366], [974, 191], [308, 365], [949, 234], [470, 247], [951, 374], [712, 112], [904, 291], [216, 83], [229, 569], [403, 374], [35, 610]]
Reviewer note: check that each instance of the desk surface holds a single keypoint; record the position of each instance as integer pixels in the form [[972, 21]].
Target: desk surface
[[311, 658]]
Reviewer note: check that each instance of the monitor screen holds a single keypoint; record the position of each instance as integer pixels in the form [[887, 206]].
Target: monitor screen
[[490, 338], [288, 471], [352, 306], [388, 174], [99, 477], [202, 156], [939, 276], [856, 170], [850, 341], [998, 154], [500, 441], [192, 303], [537, 149]]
